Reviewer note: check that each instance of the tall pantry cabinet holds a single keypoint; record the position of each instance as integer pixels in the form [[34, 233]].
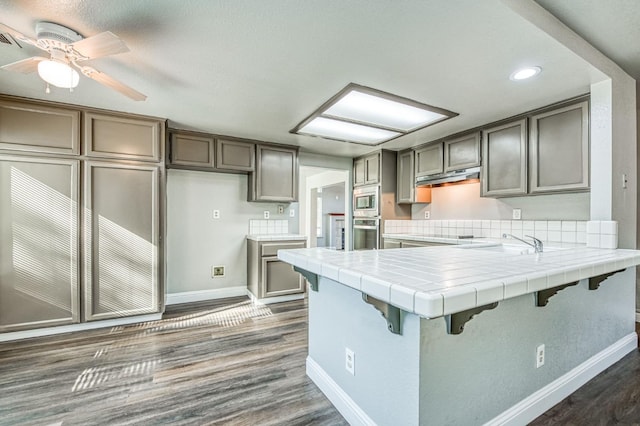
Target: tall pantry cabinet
[[80, 222]]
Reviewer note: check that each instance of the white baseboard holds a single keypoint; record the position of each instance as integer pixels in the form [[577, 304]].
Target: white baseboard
[[275, 299], [522, 413], [202, 295], [352, 413], [542, 400], [49, 331]]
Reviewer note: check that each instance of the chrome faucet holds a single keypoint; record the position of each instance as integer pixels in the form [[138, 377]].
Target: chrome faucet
[[537, 244]]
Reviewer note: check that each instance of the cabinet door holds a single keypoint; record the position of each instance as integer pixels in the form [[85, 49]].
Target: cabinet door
[[462, 153], [406, 179], [191, 150], [559, 149], [504, 153], [109, 136], [372, 169], [391, 244], [32, 127], [279, 278], [276, 177], [235, 155], [359, 172], [429, 160], [38, 242], [121, 235]]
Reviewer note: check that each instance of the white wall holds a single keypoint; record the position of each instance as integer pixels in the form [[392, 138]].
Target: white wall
[[196, 241], [464, 202]]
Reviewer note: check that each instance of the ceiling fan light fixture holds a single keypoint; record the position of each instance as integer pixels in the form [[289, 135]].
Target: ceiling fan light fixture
[[58, 74]]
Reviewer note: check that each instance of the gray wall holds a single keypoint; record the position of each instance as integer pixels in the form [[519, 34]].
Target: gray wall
[[470, 378], [196, 241], [464, 202]]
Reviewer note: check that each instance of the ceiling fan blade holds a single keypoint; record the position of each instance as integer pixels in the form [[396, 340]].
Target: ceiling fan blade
[[103, 44], [17, 34], [24, 66], [112, 83]]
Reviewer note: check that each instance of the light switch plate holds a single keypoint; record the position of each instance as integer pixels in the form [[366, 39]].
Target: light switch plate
[[280, 209], [292, 213], [266, 214], [517, 214]]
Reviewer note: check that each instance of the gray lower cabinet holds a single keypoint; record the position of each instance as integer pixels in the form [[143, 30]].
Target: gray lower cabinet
[[559, 150], [406, 178], [276, 175], [191, 150], [462, 152], [39, 220], [121, 240], [26, 126], [267, 276], [429, 160], [504, 156]]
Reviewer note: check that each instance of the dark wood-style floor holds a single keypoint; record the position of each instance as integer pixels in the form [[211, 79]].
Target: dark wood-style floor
[[220, 363]]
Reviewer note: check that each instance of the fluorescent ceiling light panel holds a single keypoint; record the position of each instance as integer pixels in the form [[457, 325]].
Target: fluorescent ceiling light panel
[[370, 109], [342, 130], [364, 115]]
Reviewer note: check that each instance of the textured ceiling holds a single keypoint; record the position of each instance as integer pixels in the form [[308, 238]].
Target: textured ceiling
[[255, 68]]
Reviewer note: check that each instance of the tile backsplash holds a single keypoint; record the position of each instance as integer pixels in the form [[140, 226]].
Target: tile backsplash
[[603, 234], [268, 226]]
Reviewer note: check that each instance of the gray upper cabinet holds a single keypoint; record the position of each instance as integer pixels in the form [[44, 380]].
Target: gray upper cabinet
[[462, 153], [276, 175], [366, 170], [504, 154], [429, 160], [121, 240], [26, 126], [406, 179], [372, 169], [358, 172], [559, 149], [191, 150], [235, 155], [127, 138]]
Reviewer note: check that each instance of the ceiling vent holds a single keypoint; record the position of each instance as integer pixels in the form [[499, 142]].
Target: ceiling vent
[[5, 38]]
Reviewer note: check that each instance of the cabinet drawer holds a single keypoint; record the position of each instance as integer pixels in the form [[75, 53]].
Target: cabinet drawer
[[37, 128], [119, 137], [271, 249]]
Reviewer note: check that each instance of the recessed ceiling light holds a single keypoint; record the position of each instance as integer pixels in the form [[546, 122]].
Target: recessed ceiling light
[[363, 115], [524, 73]]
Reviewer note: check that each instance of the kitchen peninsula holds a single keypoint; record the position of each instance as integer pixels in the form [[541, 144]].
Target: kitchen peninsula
[[462, 329]]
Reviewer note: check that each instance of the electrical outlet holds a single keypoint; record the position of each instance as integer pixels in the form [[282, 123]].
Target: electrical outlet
[[517, 214], [266, 214], [427, 214], [292, 213], [539, 356], [280, 209], [217, 271], [216, 214], [350, 361]]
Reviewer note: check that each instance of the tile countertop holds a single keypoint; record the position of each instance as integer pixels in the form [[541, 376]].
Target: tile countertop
[[276, 237], [436, 281]]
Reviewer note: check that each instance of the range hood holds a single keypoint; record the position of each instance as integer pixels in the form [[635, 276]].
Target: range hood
[[448, 177]]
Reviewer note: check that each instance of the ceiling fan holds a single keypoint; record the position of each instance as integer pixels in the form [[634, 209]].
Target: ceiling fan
[[67, 50]]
